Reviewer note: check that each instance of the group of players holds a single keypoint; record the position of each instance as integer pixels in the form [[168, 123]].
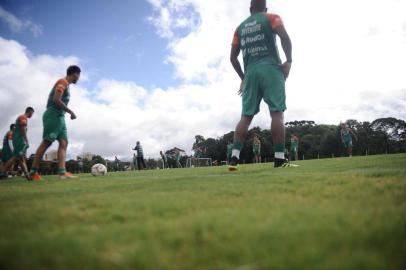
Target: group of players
[[16, 142], [256, 149], [346, 135], [263, 78]]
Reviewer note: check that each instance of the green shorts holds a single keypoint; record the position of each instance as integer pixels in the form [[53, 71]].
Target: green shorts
[[6, 155], [293, 149], [266, 82], [256, 151], [54, 126], [20, 147], [348, 143]]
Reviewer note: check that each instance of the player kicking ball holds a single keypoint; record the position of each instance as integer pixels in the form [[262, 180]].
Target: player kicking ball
[[54, 123], [264, 77]]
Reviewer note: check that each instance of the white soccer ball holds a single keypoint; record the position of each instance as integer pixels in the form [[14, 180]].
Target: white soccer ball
[[99, 170]]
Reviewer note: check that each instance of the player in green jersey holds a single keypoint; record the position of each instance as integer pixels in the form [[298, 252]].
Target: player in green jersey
[[263, 77], [7, 151], [256, 149], [20, 144], [346, 138], [54, 123], [140, 156], [294, 146]]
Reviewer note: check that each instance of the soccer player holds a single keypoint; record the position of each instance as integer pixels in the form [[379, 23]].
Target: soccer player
[[7, 152], [164, 159], [117, 163], [54, 124], [264, 76], [178, 158], [140, 156], [256, 149], [20, 144], [294, 146], [346, 138]]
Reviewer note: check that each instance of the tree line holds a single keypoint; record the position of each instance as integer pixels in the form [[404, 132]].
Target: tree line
[[382, 136]]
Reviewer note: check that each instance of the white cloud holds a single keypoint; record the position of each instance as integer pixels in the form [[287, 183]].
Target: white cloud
[[112, 117], [335, 55], [18, 25], [340, 71]]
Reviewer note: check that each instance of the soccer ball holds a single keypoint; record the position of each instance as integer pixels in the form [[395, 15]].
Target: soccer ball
[[99, 170]]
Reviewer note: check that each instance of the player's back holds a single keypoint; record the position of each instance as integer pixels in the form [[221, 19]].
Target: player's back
[[257, 39]]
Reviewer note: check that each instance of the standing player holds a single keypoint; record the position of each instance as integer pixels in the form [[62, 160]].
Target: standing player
[[346, 138], [264, 76], [256, 149], [294, 146], [7, 151], [164, 159], [54, 123], [178, 157], [140, 156], [20, 144]]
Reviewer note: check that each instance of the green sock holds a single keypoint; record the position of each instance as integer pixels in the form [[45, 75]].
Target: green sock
[[34, 170], [237, 146], [61, 171]]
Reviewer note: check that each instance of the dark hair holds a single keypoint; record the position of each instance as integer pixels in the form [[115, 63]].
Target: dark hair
[[29, 109], [12, 126], [258, 5], [72, 70]]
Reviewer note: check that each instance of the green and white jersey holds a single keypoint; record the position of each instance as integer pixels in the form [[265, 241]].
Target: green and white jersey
[[257, 39]]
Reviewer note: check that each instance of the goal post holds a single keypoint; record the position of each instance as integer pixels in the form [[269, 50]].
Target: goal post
[[199, 162]]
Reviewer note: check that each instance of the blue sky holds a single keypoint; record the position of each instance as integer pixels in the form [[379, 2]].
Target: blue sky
[[113, 38]]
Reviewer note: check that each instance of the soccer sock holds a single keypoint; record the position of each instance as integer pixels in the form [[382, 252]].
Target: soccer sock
[[34, 170], [61, 171], [279, 149], [237, 146]]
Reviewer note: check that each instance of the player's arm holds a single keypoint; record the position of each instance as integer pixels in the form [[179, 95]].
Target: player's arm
[[286, 45], [57, 99], [235, 51]]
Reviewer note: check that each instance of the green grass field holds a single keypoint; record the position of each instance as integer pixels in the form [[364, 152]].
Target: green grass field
[[327, 214]]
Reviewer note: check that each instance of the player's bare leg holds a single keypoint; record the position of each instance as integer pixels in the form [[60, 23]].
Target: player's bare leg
[[9, 164], [23, 164], [242, 128], [63, 174], [43, 147], [239, 138], [278, 137]]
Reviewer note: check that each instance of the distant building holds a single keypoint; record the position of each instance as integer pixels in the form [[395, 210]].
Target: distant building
[[86, 156], [51, 155]]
